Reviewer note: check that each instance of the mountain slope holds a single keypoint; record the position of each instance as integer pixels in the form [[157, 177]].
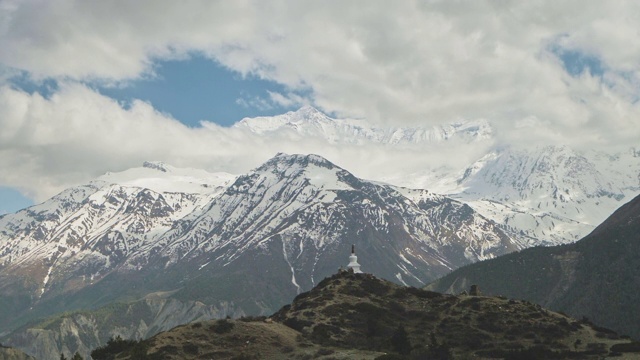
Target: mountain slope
[[83, 331], [358, 316], [309, 207], [84, 233], [596, 277], [552, 193]]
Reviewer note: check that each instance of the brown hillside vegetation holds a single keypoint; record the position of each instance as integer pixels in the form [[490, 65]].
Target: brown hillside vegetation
[[8, 353], [359, 316]]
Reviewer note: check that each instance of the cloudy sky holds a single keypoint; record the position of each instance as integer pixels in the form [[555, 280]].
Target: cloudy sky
[[93, 86]]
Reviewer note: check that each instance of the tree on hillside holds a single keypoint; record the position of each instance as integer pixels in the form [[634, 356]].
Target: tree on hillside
[[400, 341]]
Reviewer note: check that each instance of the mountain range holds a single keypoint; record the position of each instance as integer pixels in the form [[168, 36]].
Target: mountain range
[[542, 195], [243, 245], [308, 122], [159, 239]]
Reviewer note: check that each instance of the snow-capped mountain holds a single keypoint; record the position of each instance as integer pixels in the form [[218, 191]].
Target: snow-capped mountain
[[309, 122], [248, 245], [311, 207], [551, 194], [544, 195], [111, 216]]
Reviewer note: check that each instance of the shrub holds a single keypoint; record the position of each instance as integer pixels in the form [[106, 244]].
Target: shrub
[[115, 346], [190, 349], [302, 296], [252, 318], [400, 341], [396, 307], [628, 347], [374, 286], [373, 326], [297, 324], [369, 309], [324, 351], [324, 331], [391, 357], [423, 294], [244, 357], [169, 349], [533, 353], [603, 330], [222, 326]]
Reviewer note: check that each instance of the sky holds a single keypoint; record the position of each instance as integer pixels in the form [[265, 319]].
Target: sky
[[91, 87]]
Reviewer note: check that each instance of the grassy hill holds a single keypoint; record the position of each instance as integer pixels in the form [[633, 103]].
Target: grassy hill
[[359, 316]]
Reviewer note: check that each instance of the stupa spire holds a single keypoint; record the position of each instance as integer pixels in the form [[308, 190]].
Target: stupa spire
[[353, 261]]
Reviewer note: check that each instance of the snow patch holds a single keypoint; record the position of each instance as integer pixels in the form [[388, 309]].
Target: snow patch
[[293, 273], [170, 179], [399, 277]]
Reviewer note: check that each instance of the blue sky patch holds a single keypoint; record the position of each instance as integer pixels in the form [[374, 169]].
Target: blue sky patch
[[201, 89], [11, 200], [190, 90], [46, 87], [576, 62]]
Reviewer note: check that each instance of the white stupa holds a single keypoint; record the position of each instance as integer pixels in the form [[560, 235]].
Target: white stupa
[[353, 261]]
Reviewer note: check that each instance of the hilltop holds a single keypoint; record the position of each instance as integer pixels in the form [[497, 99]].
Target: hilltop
[[358, 315]]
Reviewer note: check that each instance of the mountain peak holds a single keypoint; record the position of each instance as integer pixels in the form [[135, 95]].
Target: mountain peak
[[156, 165], [308, 109], [302, 160]]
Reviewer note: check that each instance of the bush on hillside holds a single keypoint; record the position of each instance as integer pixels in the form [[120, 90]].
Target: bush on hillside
[[222, 326], [118, 345]]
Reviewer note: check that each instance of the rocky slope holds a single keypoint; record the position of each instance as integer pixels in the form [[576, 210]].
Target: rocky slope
[[596, 277], [359, 316], [83, 331]]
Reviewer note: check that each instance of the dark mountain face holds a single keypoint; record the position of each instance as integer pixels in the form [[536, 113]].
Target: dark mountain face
[[597, 277], [249, 249]]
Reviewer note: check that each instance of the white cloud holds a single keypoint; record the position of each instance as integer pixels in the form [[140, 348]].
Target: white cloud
[[411, 62], [77, 134], [255, 102], [287, 100]]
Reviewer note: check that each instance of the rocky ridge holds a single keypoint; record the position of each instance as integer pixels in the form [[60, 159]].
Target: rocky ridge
[[360, 316]]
